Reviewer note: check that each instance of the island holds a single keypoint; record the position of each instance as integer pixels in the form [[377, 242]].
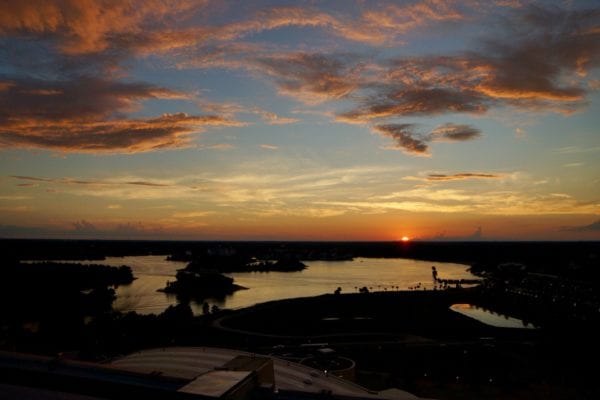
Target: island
[[197, 286]]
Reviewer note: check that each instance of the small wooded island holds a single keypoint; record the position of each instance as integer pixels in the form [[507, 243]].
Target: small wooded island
[[191, 285], [202, 278]]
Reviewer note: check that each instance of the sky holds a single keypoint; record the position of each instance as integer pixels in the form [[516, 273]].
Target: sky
[[300, 120]]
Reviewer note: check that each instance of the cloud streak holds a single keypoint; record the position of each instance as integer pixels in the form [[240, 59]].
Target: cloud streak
[[406, 139], [169, 131], [454, 133], [70, 181], [461, 177]]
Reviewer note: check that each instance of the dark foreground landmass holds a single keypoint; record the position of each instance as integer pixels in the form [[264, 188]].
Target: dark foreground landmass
[[411, 340]]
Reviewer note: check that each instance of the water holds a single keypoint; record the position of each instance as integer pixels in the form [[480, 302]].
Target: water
[[378, 274], [489, 317]]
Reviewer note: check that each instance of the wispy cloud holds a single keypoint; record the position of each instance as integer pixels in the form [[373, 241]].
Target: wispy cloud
[[17, 209], [265, 192], [402, 18], [231, 109], [192, 214], [217, 146], [313, 77], [272, 118], [577, 150], [145, 183], [79, 28], [481, 202], [15, 197], [379, 28]]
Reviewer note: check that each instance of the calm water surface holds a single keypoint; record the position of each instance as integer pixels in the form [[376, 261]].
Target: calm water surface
[[152, 273]]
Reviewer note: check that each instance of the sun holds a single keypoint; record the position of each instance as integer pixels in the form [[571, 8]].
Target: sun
[[405, 238]]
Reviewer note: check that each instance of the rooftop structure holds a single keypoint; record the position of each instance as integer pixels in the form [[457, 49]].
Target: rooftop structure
[[194, 362], [177, 373]]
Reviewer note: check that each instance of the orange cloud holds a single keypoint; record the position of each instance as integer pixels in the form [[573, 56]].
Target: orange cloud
[[89, 26], [86, 26], [372, 27], [406, 17]]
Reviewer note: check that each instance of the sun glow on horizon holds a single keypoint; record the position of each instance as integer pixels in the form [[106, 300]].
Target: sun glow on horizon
[[405, 238]]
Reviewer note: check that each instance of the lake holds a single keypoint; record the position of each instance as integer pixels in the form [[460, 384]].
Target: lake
[[378, 274]]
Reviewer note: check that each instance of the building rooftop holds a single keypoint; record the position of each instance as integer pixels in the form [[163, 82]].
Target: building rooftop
[[192, 362], [176, 373]]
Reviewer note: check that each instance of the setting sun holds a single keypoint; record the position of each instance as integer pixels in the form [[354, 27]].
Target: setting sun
[[405, 238]]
